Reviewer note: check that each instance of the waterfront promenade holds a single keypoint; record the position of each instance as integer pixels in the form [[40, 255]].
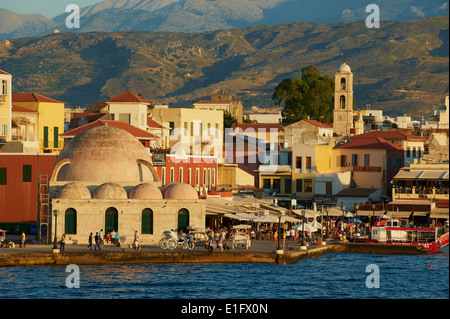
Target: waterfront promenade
[[261, 251]]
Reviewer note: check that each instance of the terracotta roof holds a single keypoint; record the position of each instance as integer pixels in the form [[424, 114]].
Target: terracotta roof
[[32, 97], [96, 107], [389, 135], [317, 123], [16, 108], [4, 73], [128, 97], [370, 143], [136, 132], [257, 126], [151, 123]]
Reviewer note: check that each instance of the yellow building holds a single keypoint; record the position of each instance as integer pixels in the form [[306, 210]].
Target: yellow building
[[196, 131], [51, 119], [5, 107], [222, 102]]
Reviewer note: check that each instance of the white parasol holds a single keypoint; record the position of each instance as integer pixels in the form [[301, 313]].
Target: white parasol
[[307, 228]]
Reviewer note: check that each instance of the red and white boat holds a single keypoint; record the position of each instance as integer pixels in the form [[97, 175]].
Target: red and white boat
[[389, 230]]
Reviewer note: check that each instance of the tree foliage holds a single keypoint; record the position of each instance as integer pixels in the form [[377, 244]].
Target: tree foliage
[[311, 96]]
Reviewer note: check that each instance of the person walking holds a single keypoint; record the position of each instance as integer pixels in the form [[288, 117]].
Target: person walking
[[100, 237], [62, 244], [113, 237], [97, 243], [90, 241], [117, 239]]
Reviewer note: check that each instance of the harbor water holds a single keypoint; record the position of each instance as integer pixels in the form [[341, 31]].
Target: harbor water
[[330, 276]]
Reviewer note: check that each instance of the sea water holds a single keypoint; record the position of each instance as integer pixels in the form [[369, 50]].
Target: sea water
[[330, 276]]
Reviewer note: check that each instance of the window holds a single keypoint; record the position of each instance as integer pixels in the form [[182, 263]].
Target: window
[[163, 175], [213, 177], [276, 185], [45, 136], [204, 177], [342, 102], [299, 185], [408, 152], [366, 159], [197, 176], [4, 88], [343, 160], [3, 176], [172, 174], [180, 171], [266, 183], [171, 126], [354, 159], [190, 176], [147, 221], [343, 84], [125, 117], [298, 162], [186, 129], [26, 173], [414, 154], [308, 185], [288, 185], [4, 130], [308, 162], [55, 137]]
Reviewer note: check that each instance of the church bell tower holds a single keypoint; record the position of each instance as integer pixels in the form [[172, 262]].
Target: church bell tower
[[343, 100]]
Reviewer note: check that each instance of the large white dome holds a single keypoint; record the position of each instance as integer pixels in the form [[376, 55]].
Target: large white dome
[[345, 68]]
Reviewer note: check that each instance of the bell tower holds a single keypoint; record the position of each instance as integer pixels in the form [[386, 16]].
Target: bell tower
[[343, 100]]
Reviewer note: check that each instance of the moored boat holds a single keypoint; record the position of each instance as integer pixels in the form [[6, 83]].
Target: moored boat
[[389, 230]]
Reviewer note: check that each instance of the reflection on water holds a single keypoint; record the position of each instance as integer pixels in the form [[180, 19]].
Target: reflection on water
[[338, 275]]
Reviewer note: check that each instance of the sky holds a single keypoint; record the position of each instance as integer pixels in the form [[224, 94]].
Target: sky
[[48, 8]]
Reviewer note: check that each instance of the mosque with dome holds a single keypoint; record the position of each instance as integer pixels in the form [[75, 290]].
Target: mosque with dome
[[104, 179]]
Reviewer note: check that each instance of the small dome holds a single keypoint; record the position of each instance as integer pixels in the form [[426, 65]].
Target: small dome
[[180, 191], [345, 68], [75, 191], [164, 188], [110, 191], [146, 191]]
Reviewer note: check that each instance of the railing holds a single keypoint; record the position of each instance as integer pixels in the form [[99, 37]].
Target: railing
[[425, 192]]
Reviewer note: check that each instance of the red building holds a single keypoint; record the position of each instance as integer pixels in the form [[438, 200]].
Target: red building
[[197, 171], [19, 179]]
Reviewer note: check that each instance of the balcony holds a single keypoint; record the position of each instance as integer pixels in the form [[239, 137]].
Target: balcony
[[418, 193]]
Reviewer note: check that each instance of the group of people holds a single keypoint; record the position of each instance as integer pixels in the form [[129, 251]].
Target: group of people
[[99, 239]]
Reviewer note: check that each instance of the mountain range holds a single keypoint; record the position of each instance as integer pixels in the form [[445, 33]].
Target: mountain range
[[402, 67], [208, 15]]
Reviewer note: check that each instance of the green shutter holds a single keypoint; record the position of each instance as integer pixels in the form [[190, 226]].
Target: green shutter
[[45, 136], [26, 173], [2, 175], [70, 222], [55, 137], [147, 221]]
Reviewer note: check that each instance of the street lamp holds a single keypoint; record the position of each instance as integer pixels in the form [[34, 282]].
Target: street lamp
[[55, 241], [303, 247], [279, 231]]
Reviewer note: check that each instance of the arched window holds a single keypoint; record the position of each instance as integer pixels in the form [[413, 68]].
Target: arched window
[[342, 102], [183, 219], [70, 221], [343, 84], [111, 220], [147, 221]]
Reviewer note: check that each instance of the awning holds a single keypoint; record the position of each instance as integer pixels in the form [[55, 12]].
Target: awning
[[440, 213], [308, 212], [433, 174], [408, 174], [235, 216]]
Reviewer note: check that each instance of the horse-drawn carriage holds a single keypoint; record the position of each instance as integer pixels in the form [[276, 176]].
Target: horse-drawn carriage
[[241, 236]]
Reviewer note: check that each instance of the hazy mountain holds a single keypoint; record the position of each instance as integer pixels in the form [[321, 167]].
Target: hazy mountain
[[402, 67], [207, 15], [14, 25]]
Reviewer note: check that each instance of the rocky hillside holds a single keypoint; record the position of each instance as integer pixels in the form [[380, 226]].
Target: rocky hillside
[[403, 67]]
